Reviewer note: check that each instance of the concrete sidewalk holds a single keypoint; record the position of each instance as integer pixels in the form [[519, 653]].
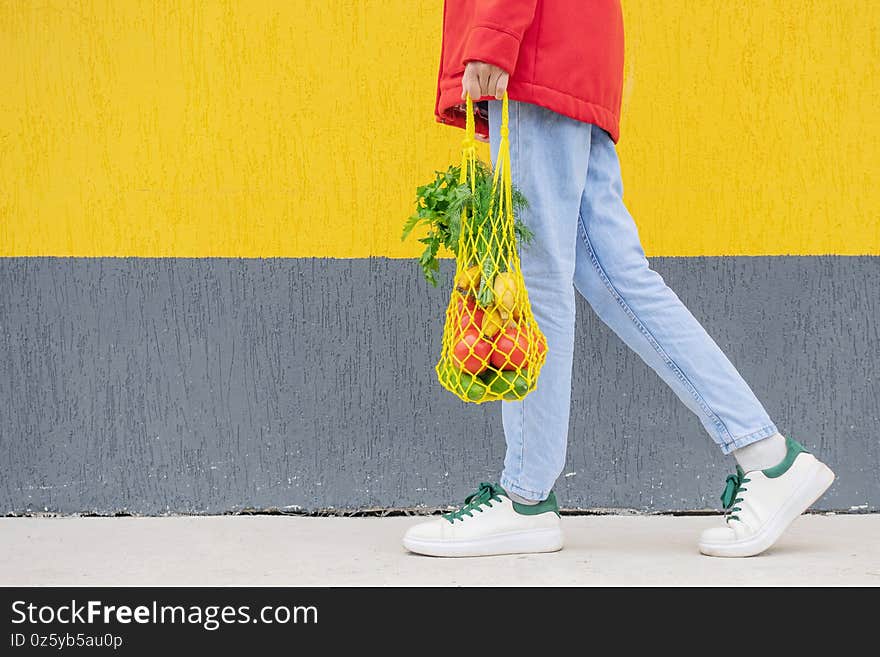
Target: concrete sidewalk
[[277, 550]]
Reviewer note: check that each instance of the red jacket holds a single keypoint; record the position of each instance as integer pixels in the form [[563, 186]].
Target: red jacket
[[565, 55]]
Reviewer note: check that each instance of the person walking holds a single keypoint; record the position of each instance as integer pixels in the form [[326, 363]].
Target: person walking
[[561, 64]]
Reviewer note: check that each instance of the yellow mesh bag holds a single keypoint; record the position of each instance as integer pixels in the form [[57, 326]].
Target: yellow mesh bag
[[492, 346]]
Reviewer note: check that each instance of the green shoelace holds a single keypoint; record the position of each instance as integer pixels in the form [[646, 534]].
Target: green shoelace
[[483, 496], [733, 486]]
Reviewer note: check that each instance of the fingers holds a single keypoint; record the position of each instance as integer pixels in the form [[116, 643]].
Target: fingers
[[481, 79], [501, 85], [484, 72], [497, 83], [470, 84]]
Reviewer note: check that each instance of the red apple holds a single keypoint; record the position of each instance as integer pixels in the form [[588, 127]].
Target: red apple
[[510, 350], [471, 352], [541, 342], [469, 315]]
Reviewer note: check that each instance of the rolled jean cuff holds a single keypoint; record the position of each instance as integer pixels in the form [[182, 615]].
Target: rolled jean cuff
[[748, 439], [527, 493]]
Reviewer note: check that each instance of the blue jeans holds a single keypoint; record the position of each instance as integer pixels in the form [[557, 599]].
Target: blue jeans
[[585, 239]]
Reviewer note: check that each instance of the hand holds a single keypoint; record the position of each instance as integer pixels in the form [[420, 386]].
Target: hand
[[482, 79]]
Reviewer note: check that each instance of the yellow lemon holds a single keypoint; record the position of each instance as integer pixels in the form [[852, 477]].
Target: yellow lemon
[[494, 321], [468, 280], [505, 289]]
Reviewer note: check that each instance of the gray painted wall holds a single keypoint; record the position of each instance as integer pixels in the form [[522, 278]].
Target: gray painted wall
[[212, 385]]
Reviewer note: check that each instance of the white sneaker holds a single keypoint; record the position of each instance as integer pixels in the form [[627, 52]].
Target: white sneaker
[[767, 502], [489, 523]]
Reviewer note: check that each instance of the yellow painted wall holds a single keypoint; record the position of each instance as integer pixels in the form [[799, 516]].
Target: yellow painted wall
[[301, 127]]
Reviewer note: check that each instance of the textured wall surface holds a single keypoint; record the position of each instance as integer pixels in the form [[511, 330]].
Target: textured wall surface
[[178, 385], [300, 128], [265, 340]]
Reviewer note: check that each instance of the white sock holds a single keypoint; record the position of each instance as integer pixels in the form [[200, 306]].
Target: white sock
[[521, 500], [762, 454]]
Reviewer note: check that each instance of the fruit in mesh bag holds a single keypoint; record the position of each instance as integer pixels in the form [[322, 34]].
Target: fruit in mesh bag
[[539, 341], [494, 321], [469, 315], [463, 383], [449, 375], [471, 352], [512, 385], [471, 387], [505, 289], [468, 280], [510, 349]]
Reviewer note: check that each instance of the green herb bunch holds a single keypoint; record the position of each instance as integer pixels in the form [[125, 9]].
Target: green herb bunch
[[439, 206]]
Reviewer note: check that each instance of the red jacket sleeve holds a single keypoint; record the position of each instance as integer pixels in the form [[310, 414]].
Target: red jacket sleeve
[[496, 31]]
